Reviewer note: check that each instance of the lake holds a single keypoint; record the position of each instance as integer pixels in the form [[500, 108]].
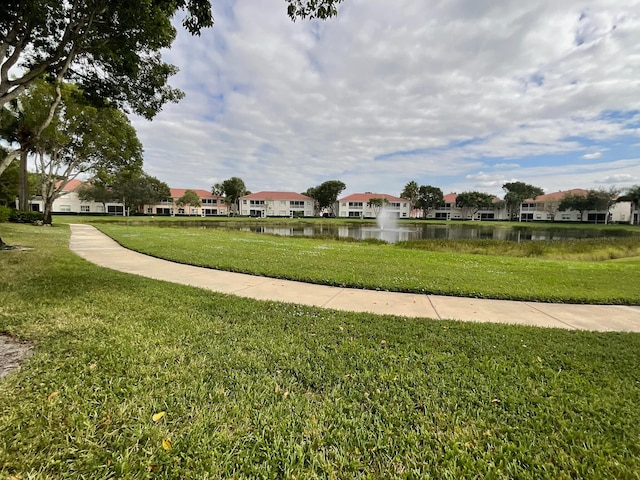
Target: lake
[[516, 233]]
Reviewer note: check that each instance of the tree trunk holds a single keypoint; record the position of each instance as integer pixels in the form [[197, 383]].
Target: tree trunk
[[48, 207], [23, 182]]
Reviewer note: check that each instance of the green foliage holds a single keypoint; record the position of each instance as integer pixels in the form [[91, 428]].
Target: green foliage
[[136, 189], [394, 268], [256, 389], [516, 193], [429, 198], [321, 9], [5, 214], [474, 201], [189, 198], [411, 193], [326, 194], [232, 189], [25, 216]]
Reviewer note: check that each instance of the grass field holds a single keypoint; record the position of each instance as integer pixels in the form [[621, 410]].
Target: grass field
[[135, 378], [529, 271]]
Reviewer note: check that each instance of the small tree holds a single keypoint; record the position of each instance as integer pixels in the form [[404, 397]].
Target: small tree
[[326, 194], [576, 201], [517, 192], [474, 201], [232, 189], [97, 190], [429, 199], [136, 189], [190, 198], [376, 204], [411, 192]]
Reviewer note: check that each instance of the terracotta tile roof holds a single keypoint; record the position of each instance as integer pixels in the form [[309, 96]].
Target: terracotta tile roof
[[557, 196], [365, 197], [275, 196], [450, 198], [179, 192], [71, 185]]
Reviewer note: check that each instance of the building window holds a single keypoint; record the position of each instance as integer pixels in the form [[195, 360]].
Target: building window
[[85, 208], [296, 203], [65, 208], [355, 214], [180, 211], [256, 203], [355, 204]]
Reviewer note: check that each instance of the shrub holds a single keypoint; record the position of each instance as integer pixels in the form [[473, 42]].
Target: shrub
[[5, 213], [24, 216]]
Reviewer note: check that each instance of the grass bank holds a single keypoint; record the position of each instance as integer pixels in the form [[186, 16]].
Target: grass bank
[[255, 389], [393, 267]]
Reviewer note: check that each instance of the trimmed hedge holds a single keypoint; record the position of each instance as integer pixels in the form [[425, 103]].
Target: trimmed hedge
[[5, 213], [24, 216]]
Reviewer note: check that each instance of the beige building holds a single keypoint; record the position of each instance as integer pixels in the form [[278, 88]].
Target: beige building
[[211, 205], [359, 205], [276, 204], [450, 211], [546, 208]]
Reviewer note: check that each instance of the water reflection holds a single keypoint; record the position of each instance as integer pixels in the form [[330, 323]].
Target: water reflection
[[428, 231]]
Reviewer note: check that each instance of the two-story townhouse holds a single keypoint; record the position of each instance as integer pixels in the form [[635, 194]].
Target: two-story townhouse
[[276, 204], [369, 205], [210, 205], [546, 208], [451, 211], [68, 201]]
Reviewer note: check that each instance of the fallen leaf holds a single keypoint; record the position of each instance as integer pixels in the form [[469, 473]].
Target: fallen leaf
[[277, 389], [158, 416], [93, 366], [383, 342], [53, 395], [166, 444], [539, 359]]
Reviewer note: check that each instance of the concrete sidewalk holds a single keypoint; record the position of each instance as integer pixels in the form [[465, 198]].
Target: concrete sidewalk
[[94, 246]]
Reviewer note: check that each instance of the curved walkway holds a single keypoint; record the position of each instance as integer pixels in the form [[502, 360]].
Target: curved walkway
[[94, 246]]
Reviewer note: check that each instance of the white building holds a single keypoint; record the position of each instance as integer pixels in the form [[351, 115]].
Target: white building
[[276, 204], [365, 205]]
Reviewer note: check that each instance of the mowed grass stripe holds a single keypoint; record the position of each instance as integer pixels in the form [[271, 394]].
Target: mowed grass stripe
[[389, 267]]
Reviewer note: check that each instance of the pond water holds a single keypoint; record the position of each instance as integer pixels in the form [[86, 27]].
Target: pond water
[[517, 233]]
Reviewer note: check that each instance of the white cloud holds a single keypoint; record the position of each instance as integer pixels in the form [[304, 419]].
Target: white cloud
[[620, 178], [384, 94]]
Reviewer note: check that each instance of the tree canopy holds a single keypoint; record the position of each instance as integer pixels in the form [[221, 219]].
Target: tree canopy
[[474, 201], [233, 188], [190, 198], [429, 198], [326, 194], [136, 189], [516, 193], [81, 138], [411, 193]]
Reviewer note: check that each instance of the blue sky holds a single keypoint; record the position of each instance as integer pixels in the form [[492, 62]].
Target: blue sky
[[460, 94]]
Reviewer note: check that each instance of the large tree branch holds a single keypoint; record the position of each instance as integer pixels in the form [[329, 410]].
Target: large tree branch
[[8, 159]]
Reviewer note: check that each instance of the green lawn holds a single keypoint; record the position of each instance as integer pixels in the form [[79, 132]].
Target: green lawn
[[399, 268], [266, 390]]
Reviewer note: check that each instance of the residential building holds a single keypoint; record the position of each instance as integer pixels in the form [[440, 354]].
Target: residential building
[[360, 205], [69, 202], [546, 208], [211, 205], [450, 211], [276, 204]]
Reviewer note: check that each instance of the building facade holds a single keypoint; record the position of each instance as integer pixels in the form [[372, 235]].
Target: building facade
[[546, 208], [210, 205], [276, 204], [451, 211], [369, 205]]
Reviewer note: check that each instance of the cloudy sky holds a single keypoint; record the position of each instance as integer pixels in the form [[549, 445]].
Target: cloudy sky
[[459, 94]]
